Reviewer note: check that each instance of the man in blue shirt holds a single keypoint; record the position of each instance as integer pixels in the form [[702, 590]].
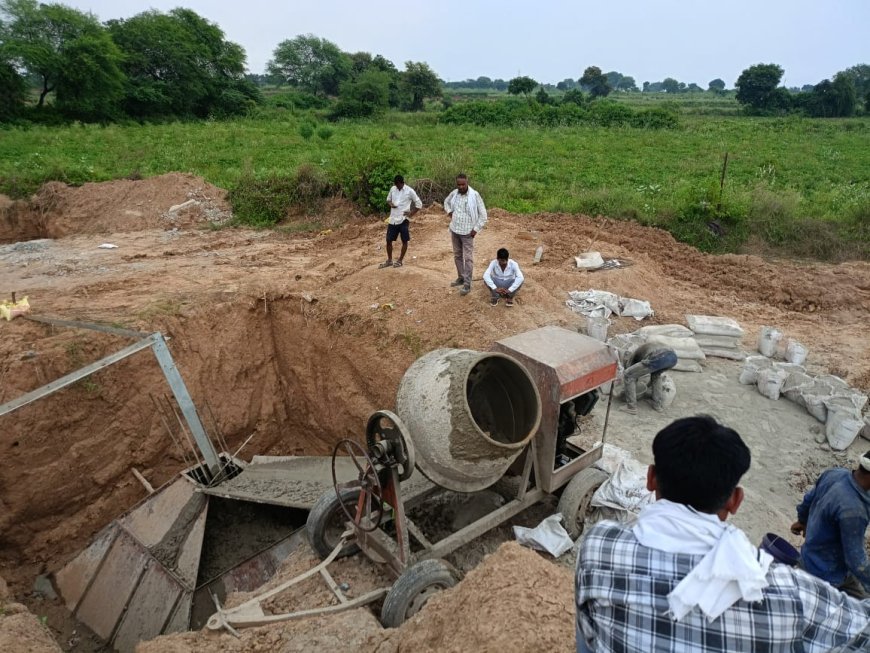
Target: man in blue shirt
[[834, 516]]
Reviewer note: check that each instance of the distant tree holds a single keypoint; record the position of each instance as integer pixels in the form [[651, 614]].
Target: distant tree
[[594, 81], [627, 84], [716, 85], [420, 82], [574, 96], [645, 87], [13, 91], [521, 86], [613, 79], [543, 97], [657, 87], [499, 84], [484, 82], [757, 87], [179, 63], [832, 99], [860, 76], [38, 38], [807, 88], [311, 63], [92, 85], [694, 88], [366, 95], [670, 85]]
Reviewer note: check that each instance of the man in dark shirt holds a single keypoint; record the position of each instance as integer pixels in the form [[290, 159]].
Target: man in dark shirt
[[834, 516]]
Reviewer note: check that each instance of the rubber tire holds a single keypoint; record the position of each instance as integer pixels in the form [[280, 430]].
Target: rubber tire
[[401, 601], [325, 517], [575, 499]]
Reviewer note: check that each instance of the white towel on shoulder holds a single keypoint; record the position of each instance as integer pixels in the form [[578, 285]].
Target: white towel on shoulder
[[731, 570]]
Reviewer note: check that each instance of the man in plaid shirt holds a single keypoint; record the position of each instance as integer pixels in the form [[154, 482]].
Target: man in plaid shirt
[[680, 579]]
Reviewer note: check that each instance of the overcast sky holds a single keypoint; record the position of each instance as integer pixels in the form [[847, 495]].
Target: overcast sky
[[550, 40]]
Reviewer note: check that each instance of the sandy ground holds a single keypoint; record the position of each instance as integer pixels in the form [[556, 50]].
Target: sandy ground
[[296, 339]]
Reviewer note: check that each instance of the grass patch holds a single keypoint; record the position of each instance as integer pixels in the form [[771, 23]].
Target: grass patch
[[814, 171]]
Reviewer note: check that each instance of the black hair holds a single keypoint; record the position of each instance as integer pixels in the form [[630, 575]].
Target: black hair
[[861, 469], [699, 462], [398, 178], [462, 175], [502, 253]]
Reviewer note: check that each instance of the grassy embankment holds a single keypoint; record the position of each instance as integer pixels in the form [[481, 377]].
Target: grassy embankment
[[801, 186]]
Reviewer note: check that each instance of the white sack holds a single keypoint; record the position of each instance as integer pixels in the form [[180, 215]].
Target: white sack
[[670, 330], [549, 536], [714, 326]]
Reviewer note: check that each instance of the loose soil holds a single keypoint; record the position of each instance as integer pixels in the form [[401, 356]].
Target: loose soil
[[296, 338]]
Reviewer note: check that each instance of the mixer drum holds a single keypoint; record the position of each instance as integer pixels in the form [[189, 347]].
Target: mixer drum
[[469, 414]]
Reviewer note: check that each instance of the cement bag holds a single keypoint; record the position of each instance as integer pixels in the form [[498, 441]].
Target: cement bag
[[795, 352], [684, 348], [770, 382], [687, 366], [669, 330], [625, 490], [794, 384], [816, 407], [714, 326], [837, 384], [852, 404], [842, 429], [730, 354], [669, 390], [751, 367], [768, 340], [589, 260], [719, 342], [636, 308]]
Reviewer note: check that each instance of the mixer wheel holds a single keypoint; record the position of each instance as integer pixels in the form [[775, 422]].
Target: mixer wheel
[[417, 584], [326, 522], [576, 498]]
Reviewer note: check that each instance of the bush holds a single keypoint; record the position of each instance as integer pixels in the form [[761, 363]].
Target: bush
[[324, 133], [310, 186], [306, 130], [364, 171], [261, 202]]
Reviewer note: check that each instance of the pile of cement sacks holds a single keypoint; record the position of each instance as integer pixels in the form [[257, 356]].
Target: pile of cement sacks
[[717, 336], [828, 398]]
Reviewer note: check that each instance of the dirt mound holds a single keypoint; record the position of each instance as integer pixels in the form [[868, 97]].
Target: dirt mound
[[20, 630], [174, 200], [520, 602]]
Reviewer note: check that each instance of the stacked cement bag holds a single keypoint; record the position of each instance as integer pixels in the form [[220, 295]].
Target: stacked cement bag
[[717, 336], [828, 398], [773, 344]]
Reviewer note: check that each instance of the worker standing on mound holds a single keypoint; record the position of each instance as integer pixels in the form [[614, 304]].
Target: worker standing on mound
[[400, 199], [467, 216]]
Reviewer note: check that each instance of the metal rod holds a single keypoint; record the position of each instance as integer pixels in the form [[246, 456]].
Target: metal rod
[[115, 331], [184, 430], [175, 440], [185, 403], [71, 378], [607, 414]]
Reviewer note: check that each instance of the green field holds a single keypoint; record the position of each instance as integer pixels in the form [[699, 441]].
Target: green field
[[801, 185]]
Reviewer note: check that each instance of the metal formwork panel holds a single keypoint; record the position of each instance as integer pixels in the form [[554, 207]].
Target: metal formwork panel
[[117, 578], [74, 578], [187, 563], [180, 620], [151, 521], [149, 609]]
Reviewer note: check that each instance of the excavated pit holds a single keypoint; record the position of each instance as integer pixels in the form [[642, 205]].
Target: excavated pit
[[296, 384]]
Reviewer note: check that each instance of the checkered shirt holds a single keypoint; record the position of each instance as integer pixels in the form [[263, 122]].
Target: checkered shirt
[[622, 606]]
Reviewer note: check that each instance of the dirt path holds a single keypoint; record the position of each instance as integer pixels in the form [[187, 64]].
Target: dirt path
[[298, 338]]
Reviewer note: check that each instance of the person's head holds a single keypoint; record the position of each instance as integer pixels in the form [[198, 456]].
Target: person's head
[[699, 462], [462, 183], [502, 256], [399, 181]]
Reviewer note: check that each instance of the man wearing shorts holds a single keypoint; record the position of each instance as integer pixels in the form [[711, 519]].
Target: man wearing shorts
[[400, 198]]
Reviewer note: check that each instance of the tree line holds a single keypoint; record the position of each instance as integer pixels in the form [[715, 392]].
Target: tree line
[[177, 64]]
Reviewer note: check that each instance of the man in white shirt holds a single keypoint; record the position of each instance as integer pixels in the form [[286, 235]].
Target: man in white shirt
[[503, 277], [400, 198], [467, 217]]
